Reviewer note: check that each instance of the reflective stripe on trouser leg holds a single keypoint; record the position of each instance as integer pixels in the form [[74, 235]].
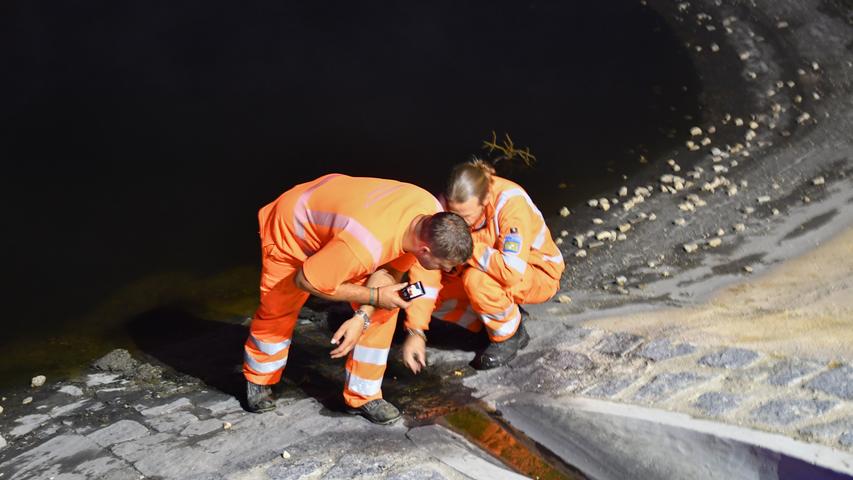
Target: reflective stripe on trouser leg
[[493, 303], [266, 349], [367, 361], [453, 306]]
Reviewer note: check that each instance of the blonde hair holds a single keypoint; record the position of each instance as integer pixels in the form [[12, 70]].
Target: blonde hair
[[470, 179]]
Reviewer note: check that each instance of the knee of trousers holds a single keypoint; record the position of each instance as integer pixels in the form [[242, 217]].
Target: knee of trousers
[[485, 293]]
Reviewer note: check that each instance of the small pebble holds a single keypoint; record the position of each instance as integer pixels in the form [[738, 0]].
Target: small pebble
[[690, 247], [679, 221], [592, 203], [564, 299], [720, 232], [564, 212], [623, 192], [564, 233], [624, 227], [652, 216], [747, 269], [715, 242], [1, 408], [285, 455], [739, 227], [776, 211], [818, 181], [597, 221], [580, 253], [38, 381], [695, 131], [558, 241], [763, 199], [27, 400]]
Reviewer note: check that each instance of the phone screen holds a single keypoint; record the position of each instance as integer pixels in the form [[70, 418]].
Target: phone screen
[[412, 291]]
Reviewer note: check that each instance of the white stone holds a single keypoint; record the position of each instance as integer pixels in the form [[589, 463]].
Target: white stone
[[695, 131], [623, 192], [558, 241], [604, 206], [720, 232], [715, 242], [621, 237], [27, 400], [578, 240], [564, 299], [285, 455], [763, 199], [747, 269], [776, 211], [714, 47], [564, 233], [739, 122], [72, 390], [96, 379], [2, 442], [782, 24], [679, 221], [651, 264], [624, 227], [706, 141], [620, 280], [803, 118], [690, 247], [580, 253], [739, 227], [592, 203], [1, 408], [652, 216], [818, 181], [605, 235], [750, 135], [564, 212], [226, 425], [38, 381], [597, 221]]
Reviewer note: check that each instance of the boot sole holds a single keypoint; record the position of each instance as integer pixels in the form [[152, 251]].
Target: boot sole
[[355, 411], [261, 410]]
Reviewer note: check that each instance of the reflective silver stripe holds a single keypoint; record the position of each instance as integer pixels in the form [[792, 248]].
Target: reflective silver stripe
[[467, 318], [302, 205], [483, 262], [270, 348], [344, 223], [444, 308], [540, 238], [516, 263], [490, 317], [508, 327], [363, 386], [264, 367], [558, 258], [376, 356], [505, 196], [430, 293]]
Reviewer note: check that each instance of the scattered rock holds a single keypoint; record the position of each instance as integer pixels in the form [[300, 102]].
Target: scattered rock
[[564, 299], [623, 192], [747, 269], [715, 242], [597, 221], [605, 235], [578, 240], [117, 361], [38, 381], [739, 227], [592, 203], [621, 280], [837, 382], [818, 181], [27, 400], [285, 455], [580, 253], [2, 442], [695, 131], [690, 247], [72, 390], [1, 408], [624, 227], [680, 222], [226, 425], [564, 212], [121, 431], [763, 199]]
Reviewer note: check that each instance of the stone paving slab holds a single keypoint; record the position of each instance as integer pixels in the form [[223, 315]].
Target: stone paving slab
[[665, 385], [790, 371], [729, 358], [663, 349], [837, 382], [121, 431], [717, 403], [786, 411]]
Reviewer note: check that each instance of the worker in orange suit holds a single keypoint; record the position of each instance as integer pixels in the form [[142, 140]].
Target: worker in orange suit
[[515, 261], [346, 239]]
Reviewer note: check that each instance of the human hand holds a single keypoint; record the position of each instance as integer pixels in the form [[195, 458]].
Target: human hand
[[414, 353], [347, 336], [388, 297]]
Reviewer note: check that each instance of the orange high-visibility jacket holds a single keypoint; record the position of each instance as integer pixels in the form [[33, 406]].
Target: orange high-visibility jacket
[[513, 238], [343, 228]]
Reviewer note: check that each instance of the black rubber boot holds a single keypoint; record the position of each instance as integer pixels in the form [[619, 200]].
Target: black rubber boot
[[259, 398], [377, 411], [498, 354]]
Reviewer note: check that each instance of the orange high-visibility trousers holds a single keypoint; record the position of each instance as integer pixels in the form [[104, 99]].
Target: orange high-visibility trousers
[[475, 299], [271, 331]]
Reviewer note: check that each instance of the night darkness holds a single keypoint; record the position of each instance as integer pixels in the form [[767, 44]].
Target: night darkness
[[141, 138]]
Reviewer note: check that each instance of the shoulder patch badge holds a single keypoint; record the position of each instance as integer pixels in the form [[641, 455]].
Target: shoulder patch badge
[[512, 242]]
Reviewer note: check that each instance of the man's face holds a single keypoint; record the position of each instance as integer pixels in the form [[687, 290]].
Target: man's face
[[470, 210], [431, 262]]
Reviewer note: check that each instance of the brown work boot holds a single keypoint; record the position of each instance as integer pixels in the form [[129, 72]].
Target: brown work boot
[[377, 411], [498, 354], [259, 398]]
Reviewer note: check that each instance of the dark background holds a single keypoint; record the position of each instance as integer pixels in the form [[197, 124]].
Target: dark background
[[140, 138]]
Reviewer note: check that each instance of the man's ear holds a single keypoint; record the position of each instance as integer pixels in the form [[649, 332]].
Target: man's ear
[[423, 248]]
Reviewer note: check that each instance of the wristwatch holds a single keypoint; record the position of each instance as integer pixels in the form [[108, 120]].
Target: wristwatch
[[361, 313]]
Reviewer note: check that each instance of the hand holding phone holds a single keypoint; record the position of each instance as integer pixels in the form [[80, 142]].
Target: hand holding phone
[[412, 291]]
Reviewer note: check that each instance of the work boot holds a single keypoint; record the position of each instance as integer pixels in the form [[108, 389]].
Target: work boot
[[377, 411], [259, 398], [498, 354]]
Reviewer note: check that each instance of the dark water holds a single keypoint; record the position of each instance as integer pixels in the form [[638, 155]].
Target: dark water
[[139, 139]]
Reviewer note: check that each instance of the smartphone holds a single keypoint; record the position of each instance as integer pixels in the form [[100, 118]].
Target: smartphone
[[412, 291]]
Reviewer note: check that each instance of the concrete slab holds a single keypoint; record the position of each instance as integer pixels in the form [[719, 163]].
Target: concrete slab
[[459, 454]]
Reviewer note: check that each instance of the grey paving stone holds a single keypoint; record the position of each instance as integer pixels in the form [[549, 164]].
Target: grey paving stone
[[611, 388], [224, 404], [135, 450], [540, 379], [829, 431], [666, 384], [179, 463], [72, 390], [789, 371], [785, 411], [352, 466], [567, 360], [179, 404], [121, 431], [729, 358], [98, 467], [837, 382], [417, 474], [44, 461], [62, 410], [203, 427], [126, 473], [295, 470], [618, 343], [663, 349], [172, 422], [28, 423], [716, 403]]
